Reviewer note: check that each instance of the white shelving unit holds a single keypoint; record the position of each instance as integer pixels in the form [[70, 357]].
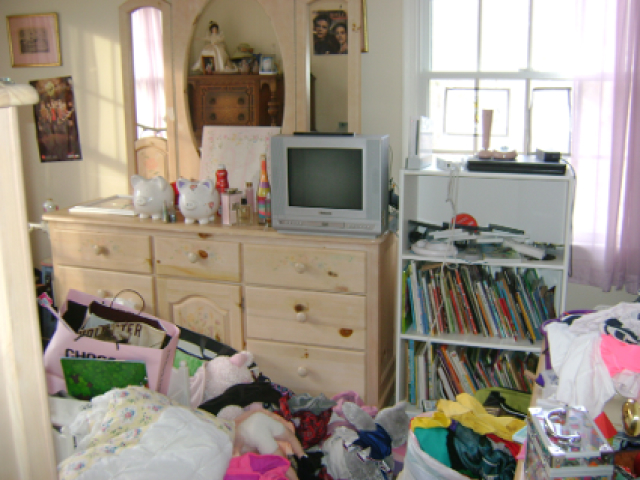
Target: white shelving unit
[[541, 205]]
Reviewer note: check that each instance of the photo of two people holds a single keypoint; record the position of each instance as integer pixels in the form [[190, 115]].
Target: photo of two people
[[330, 32]]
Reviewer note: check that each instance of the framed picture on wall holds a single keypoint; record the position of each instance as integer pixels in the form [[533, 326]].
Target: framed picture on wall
[[56, 122], [330, 36], [34, 40], [208, 65]]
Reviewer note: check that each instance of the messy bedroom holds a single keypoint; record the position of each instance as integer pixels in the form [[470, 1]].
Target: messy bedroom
[[320, 239]]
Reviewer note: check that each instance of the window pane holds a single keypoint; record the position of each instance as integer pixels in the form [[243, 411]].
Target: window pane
[[551, 116], [507, 130], [552, 30], [442, 141], [505, 31], [463, 107], [454, 30]]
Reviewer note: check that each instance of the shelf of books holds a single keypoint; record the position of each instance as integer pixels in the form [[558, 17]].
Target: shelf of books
[[482, 265]]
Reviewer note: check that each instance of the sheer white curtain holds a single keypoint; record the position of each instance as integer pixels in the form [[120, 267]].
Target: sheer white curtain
[[606, 145], [148, 68]]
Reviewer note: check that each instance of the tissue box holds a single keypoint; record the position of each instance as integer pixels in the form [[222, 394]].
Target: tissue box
[[566, 443]]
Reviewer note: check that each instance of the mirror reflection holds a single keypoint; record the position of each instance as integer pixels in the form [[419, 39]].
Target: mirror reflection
[[329, 66], [235, 75]]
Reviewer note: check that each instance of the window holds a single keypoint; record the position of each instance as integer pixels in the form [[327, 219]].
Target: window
[[509, 56]]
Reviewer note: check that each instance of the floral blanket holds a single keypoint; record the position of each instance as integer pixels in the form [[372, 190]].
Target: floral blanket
[[136, 433]]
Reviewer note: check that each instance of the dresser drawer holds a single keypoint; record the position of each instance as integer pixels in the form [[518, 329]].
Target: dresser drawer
[[310, 370], [102, 283], [325, 319], [130, 253], [221, 107], [312, 268], [198, 258]]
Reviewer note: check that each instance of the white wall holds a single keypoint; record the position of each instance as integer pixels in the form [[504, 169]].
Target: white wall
[[90, 47]]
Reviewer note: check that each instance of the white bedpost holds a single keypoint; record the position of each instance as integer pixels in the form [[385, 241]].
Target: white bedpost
[[26, 445]]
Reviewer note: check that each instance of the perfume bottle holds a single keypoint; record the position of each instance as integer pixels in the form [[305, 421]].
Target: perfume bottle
[[244, 213], [264, 188], [251, 196]]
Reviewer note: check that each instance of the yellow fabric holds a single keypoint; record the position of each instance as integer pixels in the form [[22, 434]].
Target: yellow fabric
[[438, 419], [470, 413]]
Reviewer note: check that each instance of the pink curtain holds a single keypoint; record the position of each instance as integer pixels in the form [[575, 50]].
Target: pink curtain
[[606, 146], [148, 67]]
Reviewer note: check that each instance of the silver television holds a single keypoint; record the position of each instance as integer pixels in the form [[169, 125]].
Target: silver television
[[330, 184]]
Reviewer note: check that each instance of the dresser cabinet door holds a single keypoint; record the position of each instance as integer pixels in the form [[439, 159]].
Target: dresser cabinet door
[[104, 284], [207, 308]]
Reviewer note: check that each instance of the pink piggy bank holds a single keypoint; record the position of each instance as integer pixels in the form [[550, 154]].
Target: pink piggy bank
[[198, 200], [149, 196]]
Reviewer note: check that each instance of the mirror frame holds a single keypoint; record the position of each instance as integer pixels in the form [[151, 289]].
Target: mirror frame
[[304, 50], [291, 23], [186, 14], [126, 44]]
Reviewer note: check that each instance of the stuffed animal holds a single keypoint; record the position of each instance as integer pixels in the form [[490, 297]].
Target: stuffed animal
[[266, 433], [223, 372], [364, 452]]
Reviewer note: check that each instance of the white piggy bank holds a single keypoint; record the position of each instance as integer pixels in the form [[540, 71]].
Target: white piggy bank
[[198, 200], [149, 196]]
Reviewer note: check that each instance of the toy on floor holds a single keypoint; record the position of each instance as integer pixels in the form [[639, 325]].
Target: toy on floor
[[366, 453], [266, 433]]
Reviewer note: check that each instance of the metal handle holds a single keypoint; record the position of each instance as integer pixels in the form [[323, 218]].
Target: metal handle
[[299, 267], [554, 430], [302, 371]]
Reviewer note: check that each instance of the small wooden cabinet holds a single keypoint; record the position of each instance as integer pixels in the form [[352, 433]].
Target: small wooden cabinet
[[316, 311], [236, 100]]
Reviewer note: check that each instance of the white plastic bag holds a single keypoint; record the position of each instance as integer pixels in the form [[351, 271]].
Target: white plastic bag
[[418, 465]]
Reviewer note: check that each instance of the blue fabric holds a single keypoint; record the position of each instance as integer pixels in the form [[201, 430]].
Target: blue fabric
[[378, 440]]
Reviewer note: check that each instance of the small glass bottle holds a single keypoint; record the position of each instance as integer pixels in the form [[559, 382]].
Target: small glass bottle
[[267, 209], [222, 183], [244, 213], [251, 196], [263, 188]]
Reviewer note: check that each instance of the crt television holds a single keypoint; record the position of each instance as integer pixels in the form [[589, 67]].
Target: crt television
[[330, 184]]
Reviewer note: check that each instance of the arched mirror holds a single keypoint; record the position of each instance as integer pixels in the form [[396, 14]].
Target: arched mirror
[[235, 71], [328, 46], [145, 32]]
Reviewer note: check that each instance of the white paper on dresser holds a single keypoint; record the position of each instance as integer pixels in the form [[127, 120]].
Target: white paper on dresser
[[239, 149]]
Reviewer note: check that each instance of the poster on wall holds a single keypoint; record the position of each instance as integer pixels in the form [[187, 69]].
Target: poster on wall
[[330, 32], [56, 123]]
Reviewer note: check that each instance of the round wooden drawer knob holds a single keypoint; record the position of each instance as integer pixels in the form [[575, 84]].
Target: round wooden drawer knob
[[192, 257], [102, 293], [301, 317], [299, 267], [302, 371], [99, 250]]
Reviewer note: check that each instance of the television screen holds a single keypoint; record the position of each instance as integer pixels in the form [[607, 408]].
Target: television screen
[[330, 178]]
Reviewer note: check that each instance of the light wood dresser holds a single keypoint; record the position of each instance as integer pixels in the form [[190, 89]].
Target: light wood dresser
[[316, 312]]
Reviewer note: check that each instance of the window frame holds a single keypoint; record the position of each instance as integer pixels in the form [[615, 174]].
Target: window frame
[[425, 75]]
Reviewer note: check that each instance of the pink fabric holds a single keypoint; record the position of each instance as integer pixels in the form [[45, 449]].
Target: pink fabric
[[148, 67], [351, 396], [606, 145], [252, 466], [618, 355]]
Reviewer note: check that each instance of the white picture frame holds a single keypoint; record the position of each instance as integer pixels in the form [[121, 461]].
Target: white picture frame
[[268, 64], [114, 205]]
